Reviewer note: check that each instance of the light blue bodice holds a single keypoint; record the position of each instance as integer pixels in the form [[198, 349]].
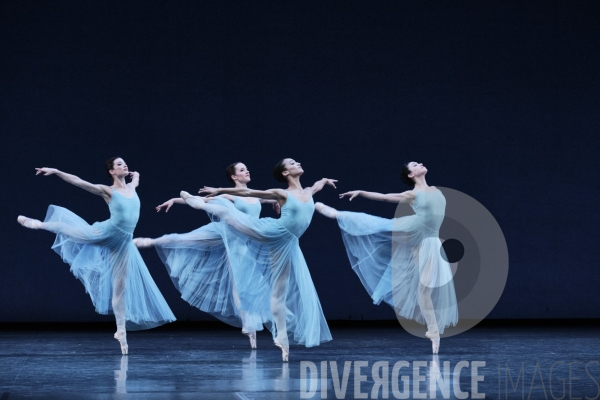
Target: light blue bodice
[[124, 211], [251, 209], [430, 207], [296, 215]]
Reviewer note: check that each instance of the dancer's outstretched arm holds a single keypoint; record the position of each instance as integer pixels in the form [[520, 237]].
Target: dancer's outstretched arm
[[270, 194], [100, 190], [404, 197], [320, 184]]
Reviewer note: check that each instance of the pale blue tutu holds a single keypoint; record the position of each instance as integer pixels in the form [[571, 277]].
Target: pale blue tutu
[[398, 260], [102, 256]]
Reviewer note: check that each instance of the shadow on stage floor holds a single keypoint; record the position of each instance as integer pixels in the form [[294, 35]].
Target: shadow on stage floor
[[498, 359]]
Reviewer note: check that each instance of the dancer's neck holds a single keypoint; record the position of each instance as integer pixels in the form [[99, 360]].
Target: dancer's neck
[[294, 183], [420, 183], [239, 185], [119, 183]]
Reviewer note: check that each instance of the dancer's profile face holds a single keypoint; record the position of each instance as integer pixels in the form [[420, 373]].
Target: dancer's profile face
[[293, 167], [416, 169], [120, 168], [242, 174]]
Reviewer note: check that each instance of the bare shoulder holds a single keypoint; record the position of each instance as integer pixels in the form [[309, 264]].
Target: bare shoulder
[[410, 194], [105, 189], [228, 197]]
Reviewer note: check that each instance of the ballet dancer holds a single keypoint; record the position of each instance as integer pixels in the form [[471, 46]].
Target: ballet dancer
[[103, 257], [294, 309], [198, 265], [398, 260]]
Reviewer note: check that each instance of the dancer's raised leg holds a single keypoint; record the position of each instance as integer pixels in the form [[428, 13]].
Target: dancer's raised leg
[[327, 211], [29, 222]]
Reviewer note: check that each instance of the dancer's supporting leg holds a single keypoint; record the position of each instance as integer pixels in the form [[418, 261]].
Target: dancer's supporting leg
[[118, 302], [278, 296], [251, 333], [425, 302]]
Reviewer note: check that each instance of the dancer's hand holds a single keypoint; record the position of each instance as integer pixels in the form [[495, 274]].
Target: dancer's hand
[[209, 191], [133, 175], [352, 194], [277, 207], [46, 171], [330, 182], [168, 204]]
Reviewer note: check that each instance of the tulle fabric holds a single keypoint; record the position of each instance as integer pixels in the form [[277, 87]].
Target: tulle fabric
[[103, 257], [270, 253], [199, 266], [399, 261]]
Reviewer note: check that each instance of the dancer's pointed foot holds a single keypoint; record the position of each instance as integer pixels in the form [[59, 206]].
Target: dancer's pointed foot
[[252, 336], [193, 201], [29, 222], [285, 353], [121, 336], [435, 342], [327, 211], [142, 243]]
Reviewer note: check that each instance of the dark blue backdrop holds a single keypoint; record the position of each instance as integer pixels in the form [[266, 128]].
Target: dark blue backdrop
[[499, 99]]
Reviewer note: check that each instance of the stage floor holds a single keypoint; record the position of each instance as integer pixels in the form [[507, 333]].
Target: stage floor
[[213, 363]]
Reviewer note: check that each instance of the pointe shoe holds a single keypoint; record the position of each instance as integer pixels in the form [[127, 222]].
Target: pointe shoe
[[326, 211], [193, 201], [284, 353], [142, 243], [29, 222], [252, 337], [435, 342], [122, 338]]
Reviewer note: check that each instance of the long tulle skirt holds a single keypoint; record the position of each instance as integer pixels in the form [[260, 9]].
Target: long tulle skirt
[[104, 258], [200, 269], [272, 259], [399, 261]]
